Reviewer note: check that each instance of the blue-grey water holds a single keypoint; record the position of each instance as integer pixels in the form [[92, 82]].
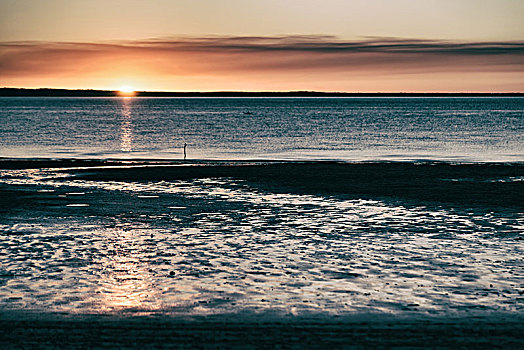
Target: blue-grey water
[[463, 129], [200, 238]]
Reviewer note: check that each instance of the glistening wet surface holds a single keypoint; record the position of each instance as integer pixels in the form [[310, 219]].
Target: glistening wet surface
[[214, 245]]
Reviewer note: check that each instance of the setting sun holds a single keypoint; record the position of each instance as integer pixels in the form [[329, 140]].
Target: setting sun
[[126, 91]]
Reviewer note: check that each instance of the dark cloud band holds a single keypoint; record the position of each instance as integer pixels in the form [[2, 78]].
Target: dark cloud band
[[252, 55]]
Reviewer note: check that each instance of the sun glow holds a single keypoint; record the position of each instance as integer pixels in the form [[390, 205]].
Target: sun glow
[[126, 91]]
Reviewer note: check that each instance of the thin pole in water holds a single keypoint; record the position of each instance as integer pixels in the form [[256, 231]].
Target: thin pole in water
[[185, 154]]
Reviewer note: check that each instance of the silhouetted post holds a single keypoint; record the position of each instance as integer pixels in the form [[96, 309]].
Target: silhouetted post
[[185, 154]]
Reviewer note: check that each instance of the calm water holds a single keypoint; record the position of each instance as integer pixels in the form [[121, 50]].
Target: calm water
[[470, 129]]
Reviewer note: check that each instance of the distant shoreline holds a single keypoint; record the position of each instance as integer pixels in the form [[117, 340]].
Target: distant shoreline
[[45, 92]]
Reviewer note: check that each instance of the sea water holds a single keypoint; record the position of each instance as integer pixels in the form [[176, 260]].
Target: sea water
[[354, 129], [421, 237]]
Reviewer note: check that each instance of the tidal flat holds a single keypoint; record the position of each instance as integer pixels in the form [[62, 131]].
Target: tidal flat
[[292, 253]]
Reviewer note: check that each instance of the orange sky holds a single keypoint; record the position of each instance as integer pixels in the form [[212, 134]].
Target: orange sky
[[77, 44]]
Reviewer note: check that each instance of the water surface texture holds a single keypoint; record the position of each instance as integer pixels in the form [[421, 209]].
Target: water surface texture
[[464, 129], [89, 240]]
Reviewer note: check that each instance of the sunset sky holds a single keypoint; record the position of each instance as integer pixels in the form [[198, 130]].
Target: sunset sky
[[329, 45]]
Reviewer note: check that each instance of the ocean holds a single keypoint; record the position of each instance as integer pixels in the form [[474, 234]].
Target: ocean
[[284, 209], [348, 129]]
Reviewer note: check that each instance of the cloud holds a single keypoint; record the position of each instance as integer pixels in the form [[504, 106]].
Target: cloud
[[248, 57]]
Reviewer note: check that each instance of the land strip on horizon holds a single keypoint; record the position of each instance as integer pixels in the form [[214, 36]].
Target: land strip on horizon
[[49, 92]]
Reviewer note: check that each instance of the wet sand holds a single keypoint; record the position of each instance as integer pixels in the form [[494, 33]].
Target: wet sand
[[357, 332], [102, 254], [476, 184]]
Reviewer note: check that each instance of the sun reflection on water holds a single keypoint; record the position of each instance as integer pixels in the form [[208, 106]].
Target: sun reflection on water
[[126, 130], [127, 283]]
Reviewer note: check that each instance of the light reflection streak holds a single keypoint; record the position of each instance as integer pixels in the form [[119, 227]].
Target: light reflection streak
[[126, 130], [126, 283]]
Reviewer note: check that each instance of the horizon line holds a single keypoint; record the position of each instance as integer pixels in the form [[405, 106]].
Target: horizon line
[[138, 93]]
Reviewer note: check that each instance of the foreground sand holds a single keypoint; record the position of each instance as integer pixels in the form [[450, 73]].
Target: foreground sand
[[372, 331]]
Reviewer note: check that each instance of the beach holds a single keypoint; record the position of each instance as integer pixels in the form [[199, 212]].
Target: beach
[[261, 174], [257, 253]]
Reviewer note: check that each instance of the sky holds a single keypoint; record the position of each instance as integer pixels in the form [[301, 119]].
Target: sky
[[248, 45]]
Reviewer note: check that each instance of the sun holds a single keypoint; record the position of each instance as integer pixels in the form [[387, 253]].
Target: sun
[[126, 90]]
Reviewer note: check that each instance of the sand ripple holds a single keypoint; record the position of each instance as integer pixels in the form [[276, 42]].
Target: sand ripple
[[218, 245]]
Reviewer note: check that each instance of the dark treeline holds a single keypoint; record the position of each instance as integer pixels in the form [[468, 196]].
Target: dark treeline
[[19, 92]]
